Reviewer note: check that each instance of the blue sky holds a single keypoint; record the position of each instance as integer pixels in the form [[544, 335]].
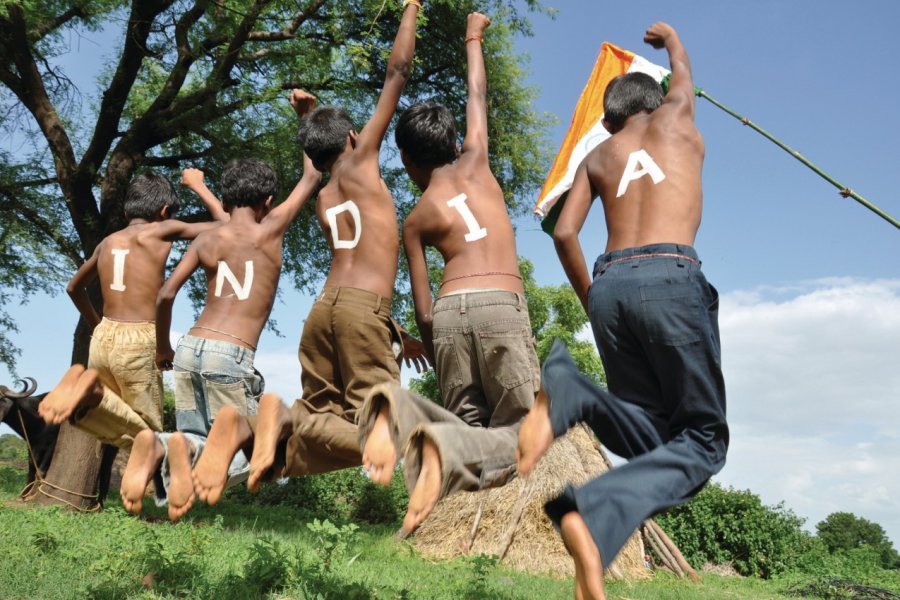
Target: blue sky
[[810, 281]]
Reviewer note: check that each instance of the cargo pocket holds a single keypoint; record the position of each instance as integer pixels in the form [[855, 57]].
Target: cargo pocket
[[447, 364], [184, 392], [220, 395], [672, 313], [508, 356]]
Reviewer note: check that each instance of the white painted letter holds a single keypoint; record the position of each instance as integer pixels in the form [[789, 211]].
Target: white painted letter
[[332, 214], [223, 272], [118, 283], [476, 231], [648, 166]]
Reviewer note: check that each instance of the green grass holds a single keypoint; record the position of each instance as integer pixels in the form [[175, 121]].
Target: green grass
[[246, 551]]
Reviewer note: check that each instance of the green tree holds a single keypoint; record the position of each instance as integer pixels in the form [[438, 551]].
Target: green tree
[[555, 313], [843, 531], [194, 83]]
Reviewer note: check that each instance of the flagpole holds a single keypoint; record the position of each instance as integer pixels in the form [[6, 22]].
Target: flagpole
[[842, 189]]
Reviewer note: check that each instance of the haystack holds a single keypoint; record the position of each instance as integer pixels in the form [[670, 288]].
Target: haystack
[[482, 522]]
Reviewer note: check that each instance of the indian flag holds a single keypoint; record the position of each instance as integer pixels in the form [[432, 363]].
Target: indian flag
[[586, 130]]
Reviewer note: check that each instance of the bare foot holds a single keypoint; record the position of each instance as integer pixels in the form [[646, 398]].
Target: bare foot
[[379, 456], [181, 485], [427, 490], [229, 433], [78, 388], [273, 424], [588, 566], [146, 454], [535, 435]]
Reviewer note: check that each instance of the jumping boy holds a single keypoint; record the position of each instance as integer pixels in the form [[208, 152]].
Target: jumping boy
[[214, 362], [349, 341], [655, 320], [477, 332], [120, 393]]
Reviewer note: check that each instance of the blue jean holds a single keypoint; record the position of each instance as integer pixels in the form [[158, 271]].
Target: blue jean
[[209, 375], [655, 321]]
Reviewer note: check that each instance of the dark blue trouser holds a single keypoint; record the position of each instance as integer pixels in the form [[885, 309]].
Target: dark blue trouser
[[655, 320]]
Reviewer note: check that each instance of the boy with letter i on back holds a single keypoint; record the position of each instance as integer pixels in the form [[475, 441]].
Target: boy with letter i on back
[[655, 320], [120, 392], [477, 332], [214, 361], [349, 341]]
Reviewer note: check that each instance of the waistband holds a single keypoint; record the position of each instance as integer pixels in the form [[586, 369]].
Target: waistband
[[680, 252], [337, 295], [113, 323], [199, 345], [479, 298]]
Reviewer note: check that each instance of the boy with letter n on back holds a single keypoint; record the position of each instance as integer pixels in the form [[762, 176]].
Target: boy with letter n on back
[[655, 320]]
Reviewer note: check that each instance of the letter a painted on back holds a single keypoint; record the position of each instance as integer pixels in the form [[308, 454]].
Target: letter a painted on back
[[332, 213], [241, 290], [118, 282], [476, 231], [647, 167]]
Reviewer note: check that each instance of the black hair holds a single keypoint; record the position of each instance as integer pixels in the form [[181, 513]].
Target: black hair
[[628, 95], [323, 133], [247, 182], [147, 194], [426, 132]]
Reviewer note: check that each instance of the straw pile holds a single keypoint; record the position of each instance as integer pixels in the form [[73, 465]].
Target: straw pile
[[536, 546]]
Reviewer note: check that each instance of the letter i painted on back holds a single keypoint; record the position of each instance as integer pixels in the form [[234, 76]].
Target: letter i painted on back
[[241, 290], [476, 231], [118, 282], [632, 172]]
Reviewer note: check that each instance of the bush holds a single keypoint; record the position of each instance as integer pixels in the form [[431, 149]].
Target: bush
[[731, 526]]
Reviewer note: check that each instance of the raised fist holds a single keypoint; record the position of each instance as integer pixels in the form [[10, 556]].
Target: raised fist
[[191, 178], [476, 25], [658, 33], [302, 101]]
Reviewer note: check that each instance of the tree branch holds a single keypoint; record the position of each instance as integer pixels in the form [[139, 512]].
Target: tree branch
[[289, 32], [174, 160], [42, 29], [32, 217]]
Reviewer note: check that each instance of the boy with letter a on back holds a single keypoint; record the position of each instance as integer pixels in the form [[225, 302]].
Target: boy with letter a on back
[[120, 393], [214, 361], [477, 332], [655, 320], [349, 342]]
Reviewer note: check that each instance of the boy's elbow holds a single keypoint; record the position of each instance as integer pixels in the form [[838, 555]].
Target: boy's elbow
[[400, 69], [165, 297], [563, 234]]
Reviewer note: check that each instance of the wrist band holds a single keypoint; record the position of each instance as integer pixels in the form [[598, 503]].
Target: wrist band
[[472, 38], [416, 2]]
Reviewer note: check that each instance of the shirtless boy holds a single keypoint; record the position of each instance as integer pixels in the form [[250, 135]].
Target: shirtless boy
[[349, 341], [214, 362], [120, 393], [655, 320], [477, 332]]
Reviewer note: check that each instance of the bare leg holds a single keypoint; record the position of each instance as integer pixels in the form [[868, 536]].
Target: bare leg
[[427, 490], [181, 486], [273, 424], [588, 566], [78, 388], [535, 435], [229, 433], [146, 454], [379, 456]]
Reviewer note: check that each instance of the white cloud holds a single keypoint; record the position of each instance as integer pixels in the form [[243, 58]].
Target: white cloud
[[812, 377]]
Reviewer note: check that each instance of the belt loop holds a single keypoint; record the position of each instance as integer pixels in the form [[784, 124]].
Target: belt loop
[[462, 304], [377, 303], [199, 347], [519, 302], [240, 355]]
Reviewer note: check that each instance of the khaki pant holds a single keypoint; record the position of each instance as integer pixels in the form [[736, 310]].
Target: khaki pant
[[349, 344], [124, 355], [488, 373]]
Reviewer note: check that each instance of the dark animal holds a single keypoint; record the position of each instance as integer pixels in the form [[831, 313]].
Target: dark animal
[[18, 408]]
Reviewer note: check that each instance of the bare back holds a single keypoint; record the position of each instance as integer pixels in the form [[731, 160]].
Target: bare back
[[131, 266], [463, 215], [242, 261]]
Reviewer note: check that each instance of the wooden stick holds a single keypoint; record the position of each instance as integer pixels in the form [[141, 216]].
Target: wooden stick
[[670, 545], [467, 545], [663, 550], [524, 495]]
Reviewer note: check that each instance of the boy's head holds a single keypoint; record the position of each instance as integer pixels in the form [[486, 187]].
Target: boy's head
[[147, 197], [247, 182], [628, 95], [426, 136], [323, 134]]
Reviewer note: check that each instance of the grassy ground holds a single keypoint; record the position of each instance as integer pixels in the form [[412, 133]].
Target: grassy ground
[[241, 551]]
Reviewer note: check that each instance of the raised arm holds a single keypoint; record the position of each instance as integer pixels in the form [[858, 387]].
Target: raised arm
[[681, 84], [476, 105], [77, 291], [164, 301], [398, 69], [281, 216], [565, 234], [193, 180], [418, 276]]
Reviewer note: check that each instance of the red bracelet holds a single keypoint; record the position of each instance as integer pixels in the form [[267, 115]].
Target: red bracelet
[[474, 38]]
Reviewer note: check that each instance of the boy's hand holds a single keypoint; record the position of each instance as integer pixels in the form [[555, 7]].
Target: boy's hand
[[658, 33], [302, 102], [476, 25], [165, 357], [192, 178], [414, 353]]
